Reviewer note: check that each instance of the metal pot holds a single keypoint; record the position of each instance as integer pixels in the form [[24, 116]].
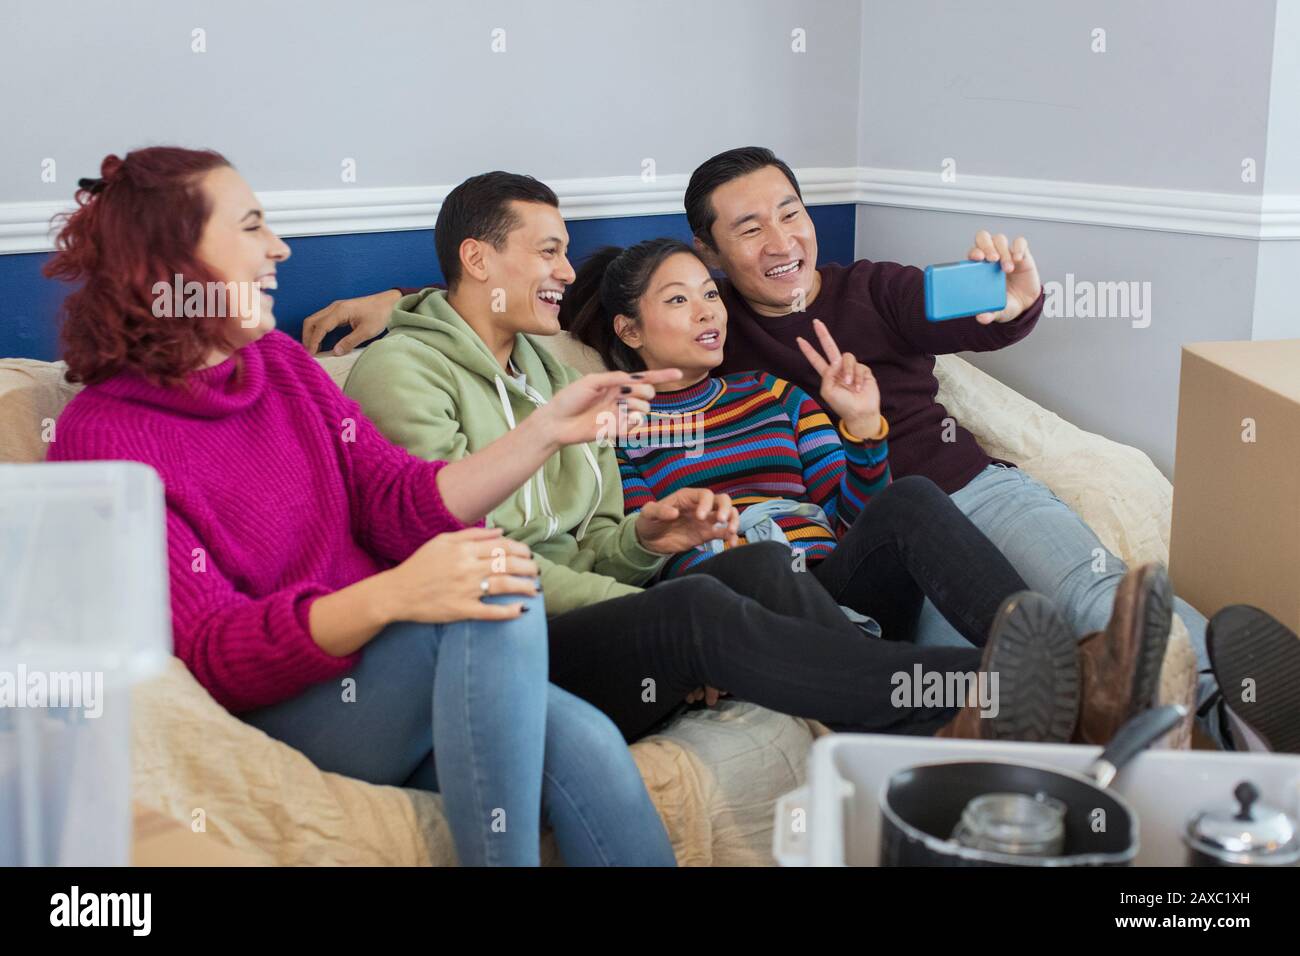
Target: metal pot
[[922, 806], [1247, 834]]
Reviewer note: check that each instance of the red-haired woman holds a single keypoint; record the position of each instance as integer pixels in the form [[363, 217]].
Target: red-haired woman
[[305, 548]]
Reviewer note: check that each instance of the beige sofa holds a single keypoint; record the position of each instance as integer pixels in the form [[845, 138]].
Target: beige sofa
[[714, 775]]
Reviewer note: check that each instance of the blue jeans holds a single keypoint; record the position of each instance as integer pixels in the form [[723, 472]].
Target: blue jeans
[[465, 709], [1055, 552]]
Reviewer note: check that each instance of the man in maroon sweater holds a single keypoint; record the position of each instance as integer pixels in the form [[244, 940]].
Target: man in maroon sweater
[[746, 211], [754, 228]]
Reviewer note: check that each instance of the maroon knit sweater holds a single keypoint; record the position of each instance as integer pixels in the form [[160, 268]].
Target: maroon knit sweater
[[876, 310]]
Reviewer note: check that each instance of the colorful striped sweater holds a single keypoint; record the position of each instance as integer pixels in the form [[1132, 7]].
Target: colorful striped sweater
[[755, 437]]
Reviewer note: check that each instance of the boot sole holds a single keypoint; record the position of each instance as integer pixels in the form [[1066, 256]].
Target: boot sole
[[1036, 658], [1246, 643], [1155, 615]]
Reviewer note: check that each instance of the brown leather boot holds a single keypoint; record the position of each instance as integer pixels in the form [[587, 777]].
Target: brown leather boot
[[1034, 655], [1120, 666]]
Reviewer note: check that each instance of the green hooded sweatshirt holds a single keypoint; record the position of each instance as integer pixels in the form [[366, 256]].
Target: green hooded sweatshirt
[[432, 386]]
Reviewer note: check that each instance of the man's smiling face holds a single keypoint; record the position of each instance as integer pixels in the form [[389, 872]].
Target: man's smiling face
[[531, 269], [765, 241]]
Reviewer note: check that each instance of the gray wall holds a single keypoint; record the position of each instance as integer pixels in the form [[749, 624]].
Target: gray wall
[[1181, 96], [1013, 89], [1282, 170], [1277, 306], [1100, 373], [411, 90]]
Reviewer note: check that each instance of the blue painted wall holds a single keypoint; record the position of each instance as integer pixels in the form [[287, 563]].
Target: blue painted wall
[[325, 268]]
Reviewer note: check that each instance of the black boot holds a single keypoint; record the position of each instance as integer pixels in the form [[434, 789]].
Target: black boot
[[1256, 660], [1035, 656]]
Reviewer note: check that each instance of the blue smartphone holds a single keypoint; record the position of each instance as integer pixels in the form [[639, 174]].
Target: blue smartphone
[[957, 289]]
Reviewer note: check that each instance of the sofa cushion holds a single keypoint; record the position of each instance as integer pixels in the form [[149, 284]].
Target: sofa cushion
[[1116, 488], [32, 394], [339, 366]]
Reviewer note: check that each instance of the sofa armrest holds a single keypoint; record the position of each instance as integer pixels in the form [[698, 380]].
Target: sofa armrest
[[32, 396], [1115, 488]]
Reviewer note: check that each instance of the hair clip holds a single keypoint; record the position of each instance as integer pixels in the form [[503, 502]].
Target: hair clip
[[92, 186]]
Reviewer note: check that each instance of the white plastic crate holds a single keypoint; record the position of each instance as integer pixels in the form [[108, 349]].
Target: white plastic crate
[[834, 819], [84, 615]]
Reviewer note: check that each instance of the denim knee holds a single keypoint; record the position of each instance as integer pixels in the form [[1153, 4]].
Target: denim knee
[[522, 638]]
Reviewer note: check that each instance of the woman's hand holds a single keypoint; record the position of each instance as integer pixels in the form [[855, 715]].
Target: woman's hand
[[602, 406], [848, 388], [443, 580], [685, 519]]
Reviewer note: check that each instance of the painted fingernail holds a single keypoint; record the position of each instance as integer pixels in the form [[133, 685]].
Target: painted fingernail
[[625, 389], [638, 375]]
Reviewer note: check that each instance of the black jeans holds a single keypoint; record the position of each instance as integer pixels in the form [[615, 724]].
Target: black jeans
[[911, 543], [747, 623]]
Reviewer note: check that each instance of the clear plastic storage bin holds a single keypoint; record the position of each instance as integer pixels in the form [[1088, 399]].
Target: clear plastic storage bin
[[84, 615], [834, 820]]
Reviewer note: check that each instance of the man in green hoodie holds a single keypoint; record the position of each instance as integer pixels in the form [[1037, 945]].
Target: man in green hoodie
[[459, 368]]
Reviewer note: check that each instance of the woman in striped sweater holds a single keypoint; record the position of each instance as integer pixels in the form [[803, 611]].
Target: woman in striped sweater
[[879, 548]]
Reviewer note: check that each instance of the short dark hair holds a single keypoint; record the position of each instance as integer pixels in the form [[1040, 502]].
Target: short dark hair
[[479, 208], [719, 171]]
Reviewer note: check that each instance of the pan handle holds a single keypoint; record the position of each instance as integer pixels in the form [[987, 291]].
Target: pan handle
[[1135, 736]]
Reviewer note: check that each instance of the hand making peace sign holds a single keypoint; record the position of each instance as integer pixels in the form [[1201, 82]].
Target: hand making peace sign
[[848, 388]]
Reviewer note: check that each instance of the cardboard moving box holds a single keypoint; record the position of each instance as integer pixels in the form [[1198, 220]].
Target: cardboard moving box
[[1235, 537]]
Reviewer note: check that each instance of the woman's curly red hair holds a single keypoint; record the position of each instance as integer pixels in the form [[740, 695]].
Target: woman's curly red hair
[[141, 226]]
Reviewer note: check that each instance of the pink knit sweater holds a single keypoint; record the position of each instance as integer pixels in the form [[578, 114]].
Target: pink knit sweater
[[279, 490]]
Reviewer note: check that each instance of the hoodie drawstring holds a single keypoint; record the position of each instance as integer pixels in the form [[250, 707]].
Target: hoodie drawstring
[[510, 420], [542, 497], [600, 491]]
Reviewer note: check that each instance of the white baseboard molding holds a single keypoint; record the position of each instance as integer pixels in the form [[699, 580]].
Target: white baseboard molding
[[25, 226]]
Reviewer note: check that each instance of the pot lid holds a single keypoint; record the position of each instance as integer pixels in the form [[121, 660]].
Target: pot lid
[[1251, 832]]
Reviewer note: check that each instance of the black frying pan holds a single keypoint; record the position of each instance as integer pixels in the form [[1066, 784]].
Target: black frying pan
[[921, 805]]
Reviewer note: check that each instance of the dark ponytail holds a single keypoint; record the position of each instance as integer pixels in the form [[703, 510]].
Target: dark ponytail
[[611, 282]]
